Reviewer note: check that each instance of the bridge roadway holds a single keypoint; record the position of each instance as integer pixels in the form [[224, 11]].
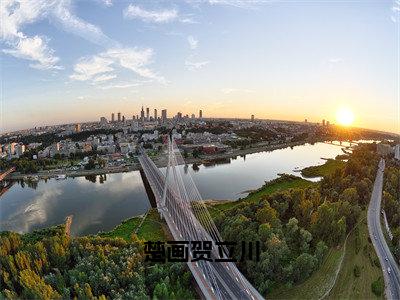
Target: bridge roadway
[[6, 173], [217, 280]]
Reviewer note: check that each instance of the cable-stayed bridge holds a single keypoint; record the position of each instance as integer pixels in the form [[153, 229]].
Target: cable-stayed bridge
[[180, 204]]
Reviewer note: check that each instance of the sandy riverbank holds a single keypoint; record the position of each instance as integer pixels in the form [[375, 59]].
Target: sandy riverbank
[[160, 161]]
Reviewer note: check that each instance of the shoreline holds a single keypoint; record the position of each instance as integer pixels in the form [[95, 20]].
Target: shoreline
[[160, 162]]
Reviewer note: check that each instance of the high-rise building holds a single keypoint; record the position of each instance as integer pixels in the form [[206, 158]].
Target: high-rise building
[[252, 118], [78, 127], [323, 122], [327, 123], [164, 115], [193, 116], [142, 115], [155, 114], [119, 117], [147, 113], [179, 116], [123, 118], [200, 114], [112, 118], [305, 120]]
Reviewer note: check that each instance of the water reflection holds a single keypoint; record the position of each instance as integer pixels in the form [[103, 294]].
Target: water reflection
[[96, 203], [101, 202]]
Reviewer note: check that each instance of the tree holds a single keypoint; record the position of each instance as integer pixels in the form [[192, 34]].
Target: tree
[[267, 214], [350, 195], [303, 266]]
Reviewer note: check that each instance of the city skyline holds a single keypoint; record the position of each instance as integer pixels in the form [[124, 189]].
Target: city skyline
[[182, 55]]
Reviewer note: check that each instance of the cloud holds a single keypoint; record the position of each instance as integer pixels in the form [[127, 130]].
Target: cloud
[[193, 43], [34, 49], [88, 67], [235, 3], [101, 67], [195, 65], [104, 77], [62, 14], [136, 61], [120, 86], [150, 16], [395, 17], [15, 15], [233, 90], [107, 3]]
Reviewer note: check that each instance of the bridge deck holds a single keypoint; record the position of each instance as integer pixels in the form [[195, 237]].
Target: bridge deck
[[216, 280]]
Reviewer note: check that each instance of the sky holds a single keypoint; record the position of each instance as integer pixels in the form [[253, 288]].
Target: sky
[[65, 61]]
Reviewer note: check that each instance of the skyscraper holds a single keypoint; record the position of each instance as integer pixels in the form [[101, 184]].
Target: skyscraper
[[164, 115], [323, 122], [142, 115], [200, 114], [119, 117], [123, 118], [155, 114], [147, 113], [252, 118], [112, 118]]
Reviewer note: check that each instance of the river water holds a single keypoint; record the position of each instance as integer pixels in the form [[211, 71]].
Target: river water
[[102, 202]]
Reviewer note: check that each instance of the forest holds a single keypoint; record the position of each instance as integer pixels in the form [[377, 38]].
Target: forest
[[48, 264], [391, 203], [297, 226]]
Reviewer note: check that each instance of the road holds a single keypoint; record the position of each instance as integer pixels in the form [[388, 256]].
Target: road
[[390, 269]]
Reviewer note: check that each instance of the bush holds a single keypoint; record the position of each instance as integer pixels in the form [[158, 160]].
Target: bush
[[357, 271], [377, 286]]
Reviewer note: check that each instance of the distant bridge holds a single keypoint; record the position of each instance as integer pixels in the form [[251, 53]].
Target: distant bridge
[[6, 173], [180, 204]]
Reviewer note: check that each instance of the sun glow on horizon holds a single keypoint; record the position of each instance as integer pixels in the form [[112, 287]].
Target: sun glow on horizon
[[344, 116]]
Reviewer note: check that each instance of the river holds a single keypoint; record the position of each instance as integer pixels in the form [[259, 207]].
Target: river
[[102, 202]]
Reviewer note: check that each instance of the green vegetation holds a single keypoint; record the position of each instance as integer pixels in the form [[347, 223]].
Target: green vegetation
[[360, 259], [52, 265], [391, 204], [151, 229], [378, 286], [283, 182], [318, 283], [297, 226], [329, 167]]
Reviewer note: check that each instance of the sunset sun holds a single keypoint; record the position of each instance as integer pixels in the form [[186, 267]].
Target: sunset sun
[[344, 116]]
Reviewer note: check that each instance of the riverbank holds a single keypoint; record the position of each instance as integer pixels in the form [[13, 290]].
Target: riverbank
[[160, 161]]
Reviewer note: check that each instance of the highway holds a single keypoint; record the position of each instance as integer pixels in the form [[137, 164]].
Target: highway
[[390, 268]]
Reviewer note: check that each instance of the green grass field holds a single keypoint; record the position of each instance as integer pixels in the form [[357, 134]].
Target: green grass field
[[330, 166], [318, 283], [360, 251], [152, 229]]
